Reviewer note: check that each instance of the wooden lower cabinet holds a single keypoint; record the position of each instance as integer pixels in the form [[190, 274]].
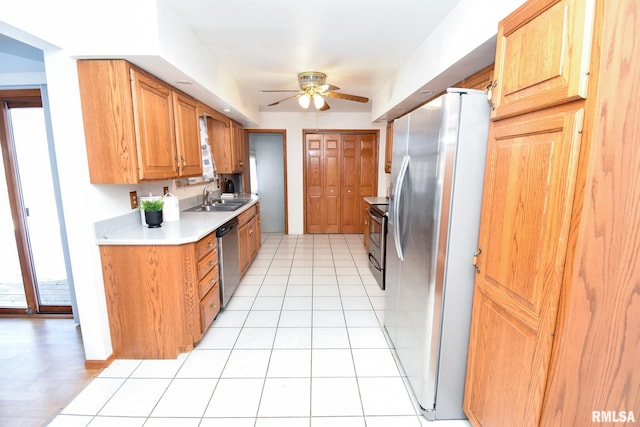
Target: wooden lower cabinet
[[160, 298], [249, 236], [523, 236]]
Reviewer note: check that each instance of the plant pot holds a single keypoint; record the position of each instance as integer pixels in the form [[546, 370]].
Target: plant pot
[[153, 218]]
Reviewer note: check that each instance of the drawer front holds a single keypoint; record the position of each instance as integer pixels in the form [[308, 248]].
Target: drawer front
[[206, 245], [208, 282], [246, 216], [209, 308], [208, 263]]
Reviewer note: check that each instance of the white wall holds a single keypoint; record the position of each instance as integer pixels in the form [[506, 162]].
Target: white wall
[[469, 25], [295, 123]]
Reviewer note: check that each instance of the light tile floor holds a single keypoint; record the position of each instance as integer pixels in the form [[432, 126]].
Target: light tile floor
[[300, 344]]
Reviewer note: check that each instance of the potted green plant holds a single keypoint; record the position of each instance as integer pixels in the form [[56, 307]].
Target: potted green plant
[[153, 212]]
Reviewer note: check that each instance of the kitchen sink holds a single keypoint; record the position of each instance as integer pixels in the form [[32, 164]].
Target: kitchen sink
[[219, 205]]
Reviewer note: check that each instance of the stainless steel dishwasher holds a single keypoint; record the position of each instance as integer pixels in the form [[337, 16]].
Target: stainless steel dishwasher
[[228, 259]]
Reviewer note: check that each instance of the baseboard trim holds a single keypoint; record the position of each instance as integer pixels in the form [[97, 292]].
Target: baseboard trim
[[99, 364]]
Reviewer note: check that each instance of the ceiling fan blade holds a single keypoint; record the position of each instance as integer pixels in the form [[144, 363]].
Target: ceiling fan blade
[[327, 87], [325, 107], [283, 100], [278, 90], [347, 96]]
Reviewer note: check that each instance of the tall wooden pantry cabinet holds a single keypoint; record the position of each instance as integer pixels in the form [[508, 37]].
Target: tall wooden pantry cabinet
[[340, 170], [555, 324]]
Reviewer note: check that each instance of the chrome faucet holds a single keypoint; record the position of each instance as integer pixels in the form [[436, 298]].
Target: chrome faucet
[[206, 196]]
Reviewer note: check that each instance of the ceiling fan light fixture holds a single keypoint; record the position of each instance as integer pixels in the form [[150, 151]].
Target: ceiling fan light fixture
[[304, 100], [310, 79], [318, 101]]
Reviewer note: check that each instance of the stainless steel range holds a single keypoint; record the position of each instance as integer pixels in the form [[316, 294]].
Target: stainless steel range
[[377, 241]]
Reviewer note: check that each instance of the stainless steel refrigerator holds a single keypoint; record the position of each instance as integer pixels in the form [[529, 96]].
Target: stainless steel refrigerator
[[437, 174]]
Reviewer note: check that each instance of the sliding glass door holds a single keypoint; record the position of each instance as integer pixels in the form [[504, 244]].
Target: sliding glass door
[[34, 274]]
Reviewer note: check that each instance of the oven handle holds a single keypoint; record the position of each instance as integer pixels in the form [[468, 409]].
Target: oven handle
[[376, 218], [375, 263]]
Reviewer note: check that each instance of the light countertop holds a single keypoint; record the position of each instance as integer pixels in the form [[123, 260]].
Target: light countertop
[[377, 200], [191, 227]]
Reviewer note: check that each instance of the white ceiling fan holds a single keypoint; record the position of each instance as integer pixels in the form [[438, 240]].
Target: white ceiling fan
[[314, 87]]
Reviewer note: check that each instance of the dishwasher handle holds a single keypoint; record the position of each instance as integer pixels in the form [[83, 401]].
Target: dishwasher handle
[[227, 227]]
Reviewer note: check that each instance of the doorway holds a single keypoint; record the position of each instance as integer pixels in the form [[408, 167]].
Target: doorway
[[268, 171], [35, 275], [340, 169]]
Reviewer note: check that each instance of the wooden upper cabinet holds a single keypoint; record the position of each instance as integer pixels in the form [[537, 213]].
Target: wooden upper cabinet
[[153, 119], [227, 141], [187, 132], [134, 131], [542, 56], [238, 147]]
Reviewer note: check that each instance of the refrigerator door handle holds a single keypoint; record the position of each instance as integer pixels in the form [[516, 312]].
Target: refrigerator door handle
[[398, 193]]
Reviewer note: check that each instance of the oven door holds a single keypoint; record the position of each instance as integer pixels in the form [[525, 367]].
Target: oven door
[[377, 235]]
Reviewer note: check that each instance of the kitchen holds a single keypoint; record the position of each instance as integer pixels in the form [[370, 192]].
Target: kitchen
[[97, 347]]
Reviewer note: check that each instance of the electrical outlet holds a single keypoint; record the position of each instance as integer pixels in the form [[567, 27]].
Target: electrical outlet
[[165, 190], [133, 198]]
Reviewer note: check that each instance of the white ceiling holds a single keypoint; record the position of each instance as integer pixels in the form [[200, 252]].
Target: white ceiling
[[359, 44]]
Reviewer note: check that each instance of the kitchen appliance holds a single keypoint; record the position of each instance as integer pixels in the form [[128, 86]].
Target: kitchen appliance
[[171, 208], [229, 187], [377, 241], [439, 153], [228, 259]]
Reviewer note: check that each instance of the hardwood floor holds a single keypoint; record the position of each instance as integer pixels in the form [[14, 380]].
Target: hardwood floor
[[41, 369]]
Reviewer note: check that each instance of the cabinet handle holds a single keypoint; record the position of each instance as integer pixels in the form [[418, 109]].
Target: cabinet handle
[[475, 259], [490, 94], [184, 162], [210, 244], [211, 264], [212, 281]]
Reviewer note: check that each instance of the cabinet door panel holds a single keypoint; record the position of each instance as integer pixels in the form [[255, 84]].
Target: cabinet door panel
[[331, 184], [187, 135], [219, 139], [314, 176], [349, 189], [526, 209], [542, 56], [154, 122], [209, 308]]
